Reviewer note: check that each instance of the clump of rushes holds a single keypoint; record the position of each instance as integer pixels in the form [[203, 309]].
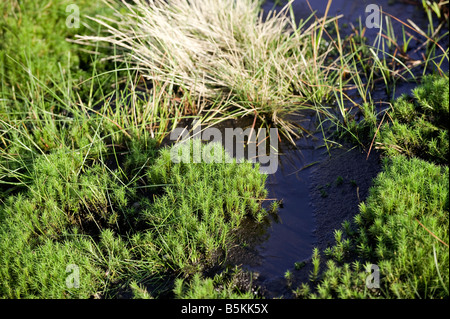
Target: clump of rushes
[[226, 50], [419, 124]]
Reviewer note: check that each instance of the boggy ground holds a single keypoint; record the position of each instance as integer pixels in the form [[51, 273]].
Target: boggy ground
[[333, 189], [336, 187]]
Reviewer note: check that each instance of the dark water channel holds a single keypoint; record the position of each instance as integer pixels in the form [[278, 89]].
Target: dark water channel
[[288, 236], [307, 220]]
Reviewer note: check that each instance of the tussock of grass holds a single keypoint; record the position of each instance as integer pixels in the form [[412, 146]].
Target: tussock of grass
[[225, 50]]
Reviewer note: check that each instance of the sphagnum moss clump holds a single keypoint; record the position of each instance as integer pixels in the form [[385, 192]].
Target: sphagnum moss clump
[[199, 207], [419, 126], [407, 204], [73, 214]]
